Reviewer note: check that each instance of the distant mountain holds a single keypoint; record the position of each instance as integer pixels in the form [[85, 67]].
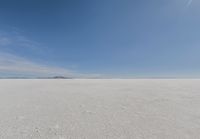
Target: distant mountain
[[61, 77]]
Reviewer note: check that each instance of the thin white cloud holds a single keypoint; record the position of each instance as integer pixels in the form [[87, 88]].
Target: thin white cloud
[[25, 42], [12, 64], [189, 3], [16, 39], [4, 41]]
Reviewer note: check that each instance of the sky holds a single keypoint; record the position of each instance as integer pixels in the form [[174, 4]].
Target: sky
[[100, 38]]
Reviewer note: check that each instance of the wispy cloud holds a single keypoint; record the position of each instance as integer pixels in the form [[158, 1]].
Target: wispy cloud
[[16, 40], [12, 64], [4, 41], [189, 3]]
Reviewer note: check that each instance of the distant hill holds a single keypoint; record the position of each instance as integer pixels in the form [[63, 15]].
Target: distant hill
[[61, 77]]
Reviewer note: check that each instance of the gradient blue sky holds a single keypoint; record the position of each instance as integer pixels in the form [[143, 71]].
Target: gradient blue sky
[[112, 38]]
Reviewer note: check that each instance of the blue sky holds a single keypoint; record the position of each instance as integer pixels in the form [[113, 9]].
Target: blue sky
[[109, 38]]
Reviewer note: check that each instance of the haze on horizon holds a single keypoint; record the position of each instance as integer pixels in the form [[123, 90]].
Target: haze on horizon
[[106, 38]]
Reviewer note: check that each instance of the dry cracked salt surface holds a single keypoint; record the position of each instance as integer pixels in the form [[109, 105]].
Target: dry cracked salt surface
[[100, 109]]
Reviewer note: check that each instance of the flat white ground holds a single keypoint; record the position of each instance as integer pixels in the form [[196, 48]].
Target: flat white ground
[[100, 109]]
